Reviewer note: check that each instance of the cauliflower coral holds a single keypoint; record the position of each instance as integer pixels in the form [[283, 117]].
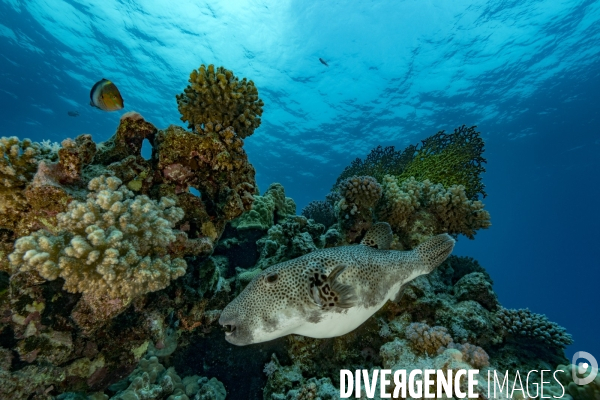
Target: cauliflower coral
[[114, 244], [418, 210]]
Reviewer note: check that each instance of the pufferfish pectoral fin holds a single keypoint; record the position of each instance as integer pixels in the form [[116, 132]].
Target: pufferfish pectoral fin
[[327, 292]]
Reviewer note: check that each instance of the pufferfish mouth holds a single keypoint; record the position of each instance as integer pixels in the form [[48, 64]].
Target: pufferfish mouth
[[229, 329]]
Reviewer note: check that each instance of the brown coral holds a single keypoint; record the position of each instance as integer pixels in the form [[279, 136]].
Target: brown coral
[[417, 210], [217, 96], [426, 339], [214, 163]]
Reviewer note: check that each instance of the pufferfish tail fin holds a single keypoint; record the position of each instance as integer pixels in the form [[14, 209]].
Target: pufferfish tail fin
[[434, 251], [379, 236]]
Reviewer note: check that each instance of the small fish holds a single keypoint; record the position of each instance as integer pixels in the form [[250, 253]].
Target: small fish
[[73, 113], [323, 62], [105, 96], [329, 292]]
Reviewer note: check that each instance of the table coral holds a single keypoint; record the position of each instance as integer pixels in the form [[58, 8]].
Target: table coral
[[379, 162], [112, 245], [450, 159], [216, 96]]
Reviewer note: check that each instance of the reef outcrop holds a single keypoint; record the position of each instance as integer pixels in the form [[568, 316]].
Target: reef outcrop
[[114, 268]]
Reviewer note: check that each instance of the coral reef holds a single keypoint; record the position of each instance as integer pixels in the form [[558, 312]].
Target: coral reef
[[573, 391], [426, 339], [321, 212], [417, 210], [267, 210], [358, 196], [450, 159], [379, 162], [528, 325], [114, 245], [120, 266], [214, 163], [151, 380], [111, 245], [362, 191], [219, 97]]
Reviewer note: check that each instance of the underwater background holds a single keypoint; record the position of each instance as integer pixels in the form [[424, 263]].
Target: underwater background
[[527, 73]]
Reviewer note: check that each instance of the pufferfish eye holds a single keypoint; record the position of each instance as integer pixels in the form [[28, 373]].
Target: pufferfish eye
[[272, 277]]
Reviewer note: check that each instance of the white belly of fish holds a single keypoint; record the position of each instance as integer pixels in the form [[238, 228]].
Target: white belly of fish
[[339, 323]]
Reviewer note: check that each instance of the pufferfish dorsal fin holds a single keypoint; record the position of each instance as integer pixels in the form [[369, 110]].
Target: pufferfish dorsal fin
[[327, 292], [379, 236]]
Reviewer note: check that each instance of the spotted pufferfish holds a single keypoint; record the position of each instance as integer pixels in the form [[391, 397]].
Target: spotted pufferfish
[[329, 292]]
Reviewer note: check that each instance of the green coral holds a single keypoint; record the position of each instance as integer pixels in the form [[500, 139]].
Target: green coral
[[450, 159], [379, 162], [114, 244], [219, 97], [267, 209]]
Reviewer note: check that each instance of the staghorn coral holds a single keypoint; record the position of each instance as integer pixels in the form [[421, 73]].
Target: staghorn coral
[[450, 159], [217, 96], [426, 339], [525, 324], [321, 212], [112, 245], [417, 210], [267, 210]]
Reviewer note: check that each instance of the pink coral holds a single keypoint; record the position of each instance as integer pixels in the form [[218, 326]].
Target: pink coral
[[427, 339]]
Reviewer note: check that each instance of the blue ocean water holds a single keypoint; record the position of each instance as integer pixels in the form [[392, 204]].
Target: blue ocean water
[[527, 73]]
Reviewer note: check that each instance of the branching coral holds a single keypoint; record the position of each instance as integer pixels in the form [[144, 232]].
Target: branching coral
[[526, 324], [450, 159], [421, 209], [112, 245], [219, 97], [379, 162], [320, 211]]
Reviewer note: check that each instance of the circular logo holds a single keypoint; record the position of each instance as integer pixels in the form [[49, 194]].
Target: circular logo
[[583, 367]]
